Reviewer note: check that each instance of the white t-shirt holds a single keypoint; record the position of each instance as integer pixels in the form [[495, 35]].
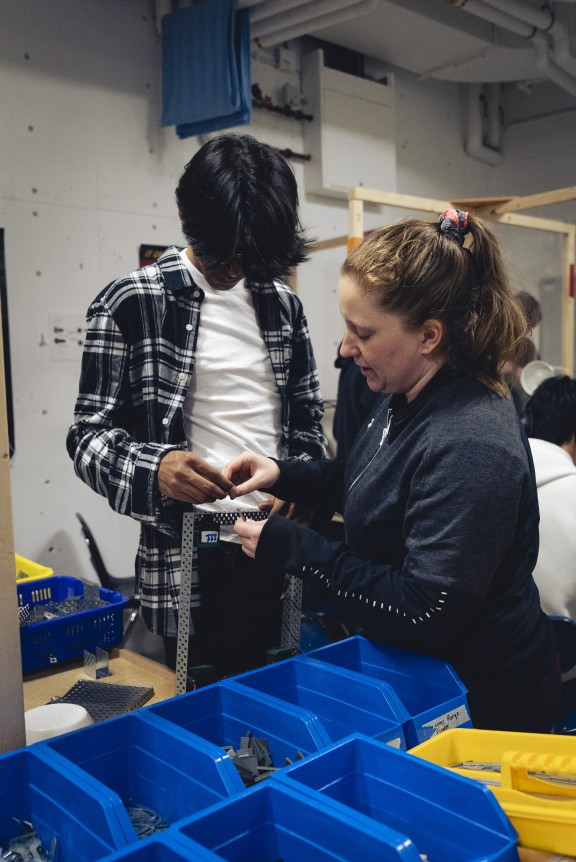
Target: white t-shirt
[[555, 572], [233, 402]]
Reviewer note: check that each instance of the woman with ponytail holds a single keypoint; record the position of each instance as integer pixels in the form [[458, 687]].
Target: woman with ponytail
[[438, 493]]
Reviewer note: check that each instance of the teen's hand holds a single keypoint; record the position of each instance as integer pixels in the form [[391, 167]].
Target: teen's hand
[[185, 476]]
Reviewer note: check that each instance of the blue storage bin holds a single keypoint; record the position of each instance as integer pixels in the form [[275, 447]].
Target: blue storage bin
[[272, 822], [344, 702], [139, 763], [451, 821], [223, 714], [164, 848], [63, 638], [83, 819], [432, 693]]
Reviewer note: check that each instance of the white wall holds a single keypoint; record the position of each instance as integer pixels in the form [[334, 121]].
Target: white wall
[[87, 175]]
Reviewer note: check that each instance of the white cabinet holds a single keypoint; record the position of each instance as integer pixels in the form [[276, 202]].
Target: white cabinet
[[351, 139]]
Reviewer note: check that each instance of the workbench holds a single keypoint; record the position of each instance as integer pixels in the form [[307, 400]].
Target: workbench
[[126, 668]]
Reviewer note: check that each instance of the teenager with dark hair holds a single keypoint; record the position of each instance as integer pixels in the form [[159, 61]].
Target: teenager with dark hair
[[550, 421], [186, 363], [438, 493]]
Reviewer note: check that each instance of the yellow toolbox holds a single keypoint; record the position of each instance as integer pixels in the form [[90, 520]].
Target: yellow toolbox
[[26, 570], [533, 776]]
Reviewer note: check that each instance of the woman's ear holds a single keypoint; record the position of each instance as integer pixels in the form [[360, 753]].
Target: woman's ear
[[432, 335]]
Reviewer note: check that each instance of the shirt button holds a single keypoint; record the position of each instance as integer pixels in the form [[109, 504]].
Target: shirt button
[[165, 421], [188, 326], [181, 375], [196, 294]]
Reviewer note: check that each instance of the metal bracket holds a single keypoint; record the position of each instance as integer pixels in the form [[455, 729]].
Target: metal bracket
[[292, 608]]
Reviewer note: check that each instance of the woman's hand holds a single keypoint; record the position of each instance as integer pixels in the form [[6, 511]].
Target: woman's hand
[[250, 472], [249, 532], [290, 511]]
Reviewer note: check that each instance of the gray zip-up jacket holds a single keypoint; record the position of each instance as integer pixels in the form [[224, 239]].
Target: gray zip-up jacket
[[441, 518]]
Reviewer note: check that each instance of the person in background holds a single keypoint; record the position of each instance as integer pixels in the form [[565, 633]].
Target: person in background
[[527, 352], [438, 493], [550, 421], [354, 401], [187, 362]]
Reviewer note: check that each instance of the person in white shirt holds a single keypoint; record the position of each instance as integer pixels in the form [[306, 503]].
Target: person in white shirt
[[188, 362], [550, 421]]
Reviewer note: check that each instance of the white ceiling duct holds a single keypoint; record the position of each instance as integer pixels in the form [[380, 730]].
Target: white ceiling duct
[[300, 28], [305, 12], [268, 8], [474, 146], [558, 65]]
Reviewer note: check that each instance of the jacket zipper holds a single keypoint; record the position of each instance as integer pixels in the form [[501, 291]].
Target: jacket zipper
[[385, 433]]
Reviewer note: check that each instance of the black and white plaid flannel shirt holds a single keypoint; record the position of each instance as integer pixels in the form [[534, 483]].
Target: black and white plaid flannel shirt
[[137, 367]]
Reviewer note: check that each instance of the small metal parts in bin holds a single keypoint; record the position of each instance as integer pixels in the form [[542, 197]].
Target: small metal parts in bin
[[145, 820], [28, 847], [106, 699], [252, 759]]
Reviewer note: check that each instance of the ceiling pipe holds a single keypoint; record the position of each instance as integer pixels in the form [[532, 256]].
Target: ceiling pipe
[[312, 9], [550, 70], [544, 20], [307, 27], [558, 65], [161, 8], [493, 116], [493, 16], [474, 145]]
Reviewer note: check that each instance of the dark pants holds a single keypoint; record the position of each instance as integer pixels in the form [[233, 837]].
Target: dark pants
[[532, 709], [241, 613]]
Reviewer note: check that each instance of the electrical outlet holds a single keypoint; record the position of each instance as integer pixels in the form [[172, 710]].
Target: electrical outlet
[[67, 330]]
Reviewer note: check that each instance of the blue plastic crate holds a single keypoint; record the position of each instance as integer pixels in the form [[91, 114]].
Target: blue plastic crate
[[64, 638], [35, 789], [164, 848], [344, 702], [455, 821], [273, 822], [432, 693], [223, 714], [137, 762]]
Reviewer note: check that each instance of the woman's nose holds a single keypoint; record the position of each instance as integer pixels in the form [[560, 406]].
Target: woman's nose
[[347, 347]]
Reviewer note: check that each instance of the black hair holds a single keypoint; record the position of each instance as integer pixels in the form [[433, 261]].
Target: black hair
[[550, 413], [238, 199]]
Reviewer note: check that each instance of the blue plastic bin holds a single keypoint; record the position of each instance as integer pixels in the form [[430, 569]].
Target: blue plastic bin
[[83, 819], [139, 763], [432, 693], [63, 638], [272, 822], [164, 847], [344, 702], [223, 714], [449, 821]]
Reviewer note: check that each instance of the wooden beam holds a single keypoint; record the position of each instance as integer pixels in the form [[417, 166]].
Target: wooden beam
[[392, 199], [12, 733], [479, 205], [539, 200], [355, 223], [333, 242], [568, 263], [535, 223]]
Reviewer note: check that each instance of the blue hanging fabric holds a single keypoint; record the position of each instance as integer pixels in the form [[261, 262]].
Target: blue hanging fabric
[[206, 84]]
